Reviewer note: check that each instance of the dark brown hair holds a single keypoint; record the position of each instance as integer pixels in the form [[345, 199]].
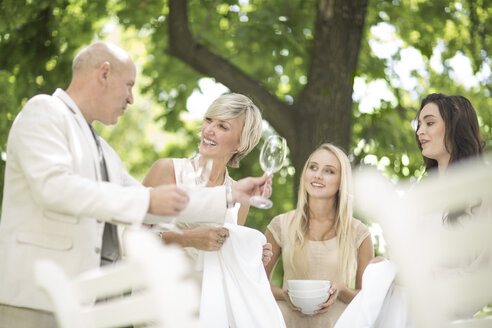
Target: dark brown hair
[[462, 137]]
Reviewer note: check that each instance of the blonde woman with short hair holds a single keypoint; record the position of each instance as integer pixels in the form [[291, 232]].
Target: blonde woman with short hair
[[320, 239], [231, 128]]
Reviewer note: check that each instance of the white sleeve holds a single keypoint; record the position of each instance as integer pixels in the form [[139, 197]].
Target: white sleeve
[[205, 205]]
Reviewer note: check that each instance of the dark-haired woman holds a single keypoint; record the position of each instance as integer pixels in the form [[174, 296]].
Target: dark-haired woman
[[447, 132]]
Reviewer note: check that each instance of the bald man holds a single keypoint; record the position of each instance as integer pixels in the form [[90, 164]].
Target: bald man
[[65, 188]]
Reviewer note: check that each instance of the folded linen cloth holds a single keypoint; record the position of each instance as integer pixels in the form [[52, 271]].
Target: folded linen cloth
[[380, 303], [235, 288]]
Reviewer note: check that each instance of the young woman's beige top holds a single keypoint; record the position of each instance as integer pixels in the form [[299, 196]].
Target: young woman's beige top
[[322, 263]]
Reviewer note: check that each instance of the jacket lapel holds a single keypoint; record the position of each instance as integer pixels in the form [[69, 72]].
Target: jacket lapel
[[84, 128]]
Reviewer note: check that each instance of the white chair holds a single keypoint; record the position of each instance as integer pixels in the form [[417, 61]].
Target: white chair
[[151, 287], [444, 269]]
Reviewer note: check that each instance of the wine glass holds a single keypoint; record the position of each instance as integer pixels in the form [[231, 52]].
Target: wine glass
[[193, 175], [272, 158], [196, 172]]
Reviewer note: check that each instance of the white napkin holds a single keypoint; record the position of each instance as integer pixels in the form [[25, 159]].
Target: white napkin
[[235, 289], [378, 302]]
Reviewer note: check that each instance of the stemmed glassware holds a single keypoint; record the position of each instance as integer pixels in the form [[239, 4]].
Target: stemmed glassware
[[272, 158], [194, 175]]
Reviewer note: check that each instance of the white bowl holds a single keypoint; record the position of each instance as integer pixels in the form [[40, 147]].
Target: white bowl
[[308, 284], [309, 293], [308, 304]]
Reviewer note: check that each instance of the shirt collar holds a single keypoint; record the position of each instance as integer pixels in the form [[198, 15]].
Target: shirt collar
[[65, 97]]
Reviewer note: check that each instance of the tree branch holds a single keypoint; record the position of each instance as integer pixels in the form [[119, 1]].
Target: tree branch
[[205, 21], [185, 47]]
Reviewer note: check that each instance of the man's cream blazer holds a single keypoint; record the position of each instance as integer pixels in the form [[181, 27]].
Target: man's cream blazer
[[54, 202]]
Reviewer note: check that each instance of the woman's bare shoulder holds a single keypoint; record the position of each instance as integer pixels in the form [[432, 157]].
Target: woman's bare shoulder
[[161, 172]]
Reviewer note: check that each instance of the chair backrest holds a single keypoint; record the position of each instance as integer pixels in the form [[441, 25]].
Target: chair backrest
[[152, 287], [446, 269]]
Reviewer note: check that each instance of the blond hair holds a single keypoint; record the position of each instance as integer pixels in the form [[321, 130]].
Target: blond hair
[[234, 105], [299, 226]]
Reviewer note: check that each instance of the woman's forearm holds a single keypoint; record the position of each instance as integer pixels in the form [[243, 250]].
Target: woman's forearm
[[345, 294], [278, 292], [170, 237]]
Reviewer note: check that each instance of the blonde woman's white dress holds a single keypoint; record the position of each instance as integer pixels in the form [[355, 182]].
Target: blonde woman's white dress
[[235, 291]]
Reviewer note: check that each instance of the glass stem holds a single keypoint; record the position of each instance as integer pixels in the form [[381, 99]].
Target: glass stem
[[264, 186]]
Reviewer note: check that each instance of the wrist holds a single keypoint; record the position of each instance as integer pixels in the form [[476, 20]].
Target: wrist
[[170, 237], [279, 293], [185, 238]]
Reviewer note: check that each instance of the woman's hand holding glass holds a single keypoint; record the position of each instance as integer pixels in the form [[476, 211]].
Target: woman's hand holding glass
[[272, 158]]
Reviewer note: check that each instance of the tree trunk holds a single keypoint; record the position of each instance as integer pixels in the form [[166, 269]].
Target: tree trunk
[[322, 112], [324, 108]]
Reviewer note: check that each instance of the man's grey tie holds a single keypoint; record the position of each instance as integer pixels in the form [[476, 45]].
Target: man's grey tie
[[110, 246]]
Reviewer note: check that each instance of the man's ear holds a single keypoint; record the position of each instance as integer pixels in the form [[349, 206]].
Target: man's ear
[[103, 72]]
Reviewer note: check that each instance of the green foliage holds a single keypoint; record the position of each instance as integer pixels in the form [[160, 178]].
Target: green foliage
[[271, 40], [266, 39], [38, 40], [385, 134]]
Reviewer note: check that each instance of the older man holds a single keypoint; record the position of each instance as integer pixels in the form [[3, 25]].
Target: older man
[[65, 188]]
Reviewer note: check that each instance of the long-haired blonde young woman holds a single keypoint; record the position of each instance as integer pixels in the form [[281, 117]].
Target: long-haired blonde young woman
[[320, 239]]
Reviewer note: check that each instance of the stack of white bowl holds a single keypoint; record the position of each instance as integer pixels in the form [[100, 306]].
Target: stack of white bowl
[[308, 294]]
